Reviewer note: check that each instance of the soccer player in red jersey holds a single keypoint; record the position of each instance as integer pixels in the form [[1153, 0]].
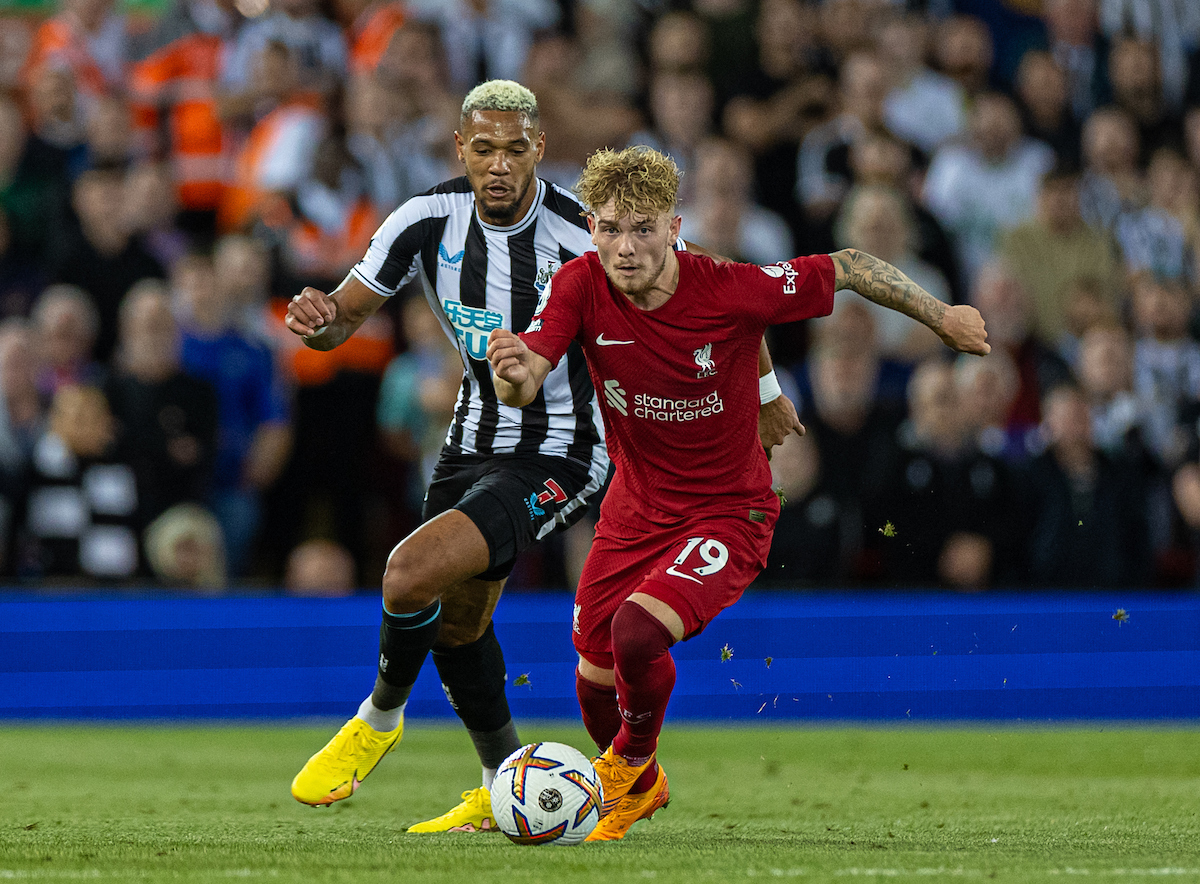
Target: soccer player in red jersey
[[671, 341]]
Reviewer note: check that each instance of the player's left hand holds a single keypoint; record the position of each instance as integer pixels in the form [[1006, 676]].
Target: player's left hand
[[963, 330], [775, 420]]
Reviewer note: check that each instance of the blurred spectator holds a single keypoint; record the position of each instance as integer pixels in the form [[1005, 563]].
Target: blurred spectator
[[65, 323], [1086, 527], [1085, 304], [823, 174], [1079, 48], [1138, 89], [581, 115], [278, 153], [486, 39], [254, 435], [682, 105], [174, 85], [316, 44], [334, 217], [880, 159], [1054, 249], [166, 419], [677, 42], [1174, 188], [1041, 92], [185, 549], [1002, 299], [21, 419], [99, 253], [963, 51], [152, 210], [923, 107], [34, 186], [20, 278], [416, 124], [785, 96], [417, 397], [1110, 178], [370, 27], [829, 474], [878, 220], [16, 38], [987, 388], [1166, 362], [109, 133], [80, 517], [989, 185], [85, 38], [606, 34], [57, 118], [1106, 380], [320, 567], [723, 215], [951, 509], [1172, 26], [242, 275]]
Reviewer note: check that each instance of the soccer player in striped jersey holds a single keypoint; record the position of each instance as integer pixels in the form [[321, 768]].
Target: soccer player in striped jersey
[[670, 338], [484, 246]]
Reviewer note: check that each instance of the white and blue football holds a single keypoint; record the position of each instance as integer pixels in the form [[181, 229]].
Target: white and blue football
[[546, 793]]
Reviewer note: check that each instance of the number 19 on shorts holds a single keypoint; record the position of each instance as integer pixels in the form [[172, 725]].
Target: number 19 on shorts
[[700, 557]]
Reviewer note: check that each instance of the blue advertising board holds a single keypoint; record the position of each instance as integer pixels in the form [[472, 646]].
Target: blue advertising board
[[773, 657]]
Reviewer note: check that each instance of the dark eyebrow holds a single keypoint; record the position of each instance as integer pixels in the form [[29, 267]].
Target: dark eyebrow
[[484, 140]]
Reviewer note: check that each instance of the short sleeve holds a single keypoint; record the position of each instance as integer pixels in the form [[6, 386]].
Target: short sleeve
[[559, 315], [788, 291]]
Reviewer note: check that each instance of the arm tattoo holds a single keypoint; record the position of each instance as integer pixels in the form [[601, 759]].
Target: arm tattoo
[[882, 283]]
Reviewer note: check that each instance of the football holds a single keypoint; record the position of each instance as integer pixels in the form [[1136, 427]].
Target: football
[[546, 793]]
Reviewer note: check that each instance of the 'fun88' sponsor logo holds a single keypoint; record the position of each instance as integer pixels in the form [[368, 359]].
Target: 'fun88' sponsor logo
[[472, 325]]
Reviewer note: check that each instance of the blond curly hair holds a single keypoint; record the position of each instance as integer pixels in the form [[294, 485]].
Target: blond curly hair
[[639, 179]]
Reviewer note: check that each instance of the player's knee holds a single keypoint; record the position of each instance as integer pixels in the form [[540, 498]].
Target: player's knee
[[406, 585], [638, 637]]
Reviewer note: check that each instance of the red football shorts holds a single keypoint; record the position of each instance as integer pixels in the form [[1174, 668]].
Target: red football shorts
[[699, 569]]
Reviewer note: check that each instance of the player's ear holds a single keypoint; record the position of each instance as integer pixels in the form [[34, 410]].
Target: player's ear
[[591, 220], [540, 147], [458, 147], [676, 224]]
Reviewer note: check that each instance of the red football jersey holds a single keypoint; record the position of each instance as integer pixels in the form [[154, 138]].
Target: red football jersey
[[678, 385]]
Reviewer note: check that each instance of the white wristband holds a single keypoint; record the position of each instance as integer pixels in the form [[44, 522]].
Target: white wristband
[[768, 388]]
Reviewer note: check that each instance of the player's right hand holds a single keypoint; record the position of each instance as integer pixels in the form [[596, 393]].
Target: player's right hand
[[506, 353], [309, 312]]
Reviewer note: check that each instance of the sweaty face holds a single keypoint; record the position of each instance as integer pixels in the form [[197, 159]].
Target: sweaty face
[[501, 150], [633, 248]]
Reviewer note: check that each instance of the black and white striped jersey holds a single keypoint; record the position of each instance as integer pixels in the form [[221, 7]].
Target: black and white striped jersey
[[478, 277]]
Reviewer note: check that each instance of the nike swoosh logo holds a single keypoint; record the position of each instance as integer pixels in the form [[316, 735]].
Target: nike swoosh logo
[[603, 343]]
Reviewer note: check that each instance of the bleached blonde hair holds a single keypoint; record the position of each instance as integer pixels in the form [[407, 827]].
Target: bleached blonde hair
[[501, 95]]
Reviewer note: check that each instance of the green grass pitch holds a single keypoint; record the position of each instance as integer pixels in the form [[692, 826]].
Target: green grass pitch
[[211, 803]]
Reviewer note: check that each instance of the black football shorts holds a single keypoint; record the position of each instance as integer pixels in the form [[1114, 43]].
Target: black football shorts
[[513, 499]]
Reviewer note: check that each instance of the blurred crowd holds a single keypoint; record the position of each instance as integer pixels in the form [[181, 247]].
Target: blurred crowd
[[168, 180]]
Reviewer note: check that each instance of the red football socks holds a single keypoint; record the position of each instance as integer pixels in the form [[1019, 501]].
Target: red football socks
[[645, 674], [598, 703]]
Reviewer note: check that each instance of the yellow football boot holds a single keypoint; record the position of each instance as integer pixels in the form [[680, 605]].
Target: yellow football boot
[[335, 772], [474, 814]]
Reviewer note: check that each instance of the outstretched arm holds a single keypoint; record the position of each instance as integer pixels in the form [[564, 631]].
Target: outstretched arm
[[960, 327], [517, 372]]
